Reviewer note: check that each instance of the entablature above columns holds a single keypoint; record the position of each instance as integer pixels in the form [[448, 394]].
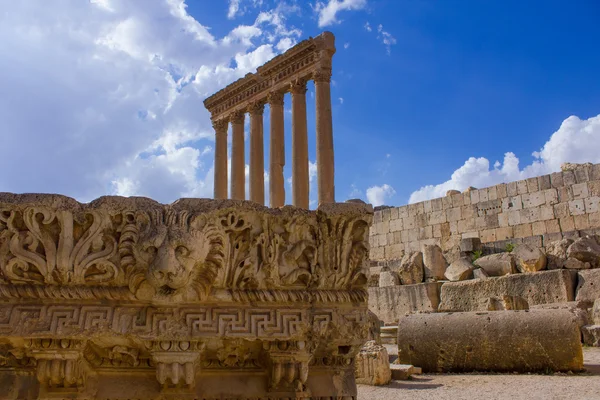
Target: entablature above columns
[[300, 62]]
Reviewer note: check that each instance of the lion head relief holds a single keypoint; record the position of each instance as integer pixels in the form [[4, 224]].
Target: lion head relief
[[177, 256]]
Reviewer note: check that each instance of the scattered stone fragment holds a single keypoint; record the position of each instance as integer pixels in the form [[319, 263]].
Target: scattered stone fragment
[[556, 253], [529, 258], [497, 264], [372, 366], [591, 335], [411, 268], [389, 334], [479, 273], [434, 262], [585, 249], [573, 263], [402, 372], [506, 341], [388, 278], [374, 328], [588, 286], [459, 270]]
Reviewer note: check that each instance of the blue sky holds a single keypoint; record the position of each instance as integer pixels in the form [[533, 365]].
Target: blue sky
[[105, 97]]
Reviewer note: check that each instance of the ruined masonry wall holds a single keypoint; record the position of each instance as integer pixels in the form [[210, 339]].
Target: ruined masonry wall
[[540, 209]]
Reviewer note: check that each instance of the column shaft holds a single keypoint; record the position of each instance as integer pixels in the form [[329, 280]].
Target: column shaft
[[325, 164], [257, 156], [238, 176], [220, 181], [276, 151], [300, 179]]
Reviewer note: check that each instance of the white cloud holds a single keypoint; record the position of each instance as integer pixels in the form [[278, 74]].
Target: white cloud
[[368, 27], [386, 38], [328, 12], [285, 44], [234, 8], [355, 192], [346, 45], [379, 195], [575, 141], [106, 96], [341, 99]]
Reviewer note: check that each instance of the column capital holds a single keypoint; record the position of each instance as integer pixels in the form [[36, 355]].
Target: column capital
[[256, 107], [298, 86], [237, 117], [322, 75], [220, 125], [275, 98]]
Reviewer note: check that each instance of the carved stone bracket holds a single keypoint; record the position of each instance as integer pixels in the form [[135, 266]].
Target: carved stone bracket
[[60, 363], [176, 363], [288, 365]]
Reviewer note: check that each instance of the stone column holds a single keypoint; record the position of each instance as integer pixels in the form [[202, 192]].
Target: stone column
[[300, 184], [238, 178], [325, 165], [220, 183], [257, 156], [276, 151]]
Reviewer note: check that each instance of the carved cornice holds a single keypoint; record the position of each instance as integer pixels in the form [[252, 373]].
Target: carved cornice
[[276, 98], [298, 86], [237, 117], [299, 61]]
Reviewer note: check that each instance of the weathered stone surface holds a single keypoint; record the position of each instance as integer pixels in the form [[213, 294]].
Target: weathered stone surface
[[497, 264], [503, 341], [388, 278], [536, 288], [459, 270], [410, 269], [507, 303], [573, 263], [374, 328], [585, 249], [402, 372], [390, 303], [434, 263], [389, 334], [470, 245], [372, 365], [528, 258], [596, 312], [577, 308], [556, 253], [479, 273], [451, 192], [184, 298], [588, 285], [591, 335]]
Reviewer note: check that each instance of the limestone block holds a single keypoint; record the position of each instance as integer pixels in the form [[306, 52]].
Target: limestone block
[[451, 192], [585, 249], [591, 335], [577, 308], [498, 264], [388, 278], [434, 262], [528, 258], [556, 253], [507, 303], [372, 365], [410, 269], [392, 302], [573, 263], [479, 273], [402, 372], [459, 270], [588, 285], [596, 312], [389, 334], [503, 341], [536, 288]]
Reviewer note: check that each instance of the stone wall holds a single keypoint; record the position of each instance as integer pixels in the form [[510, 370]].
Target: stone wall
[[536, 210]]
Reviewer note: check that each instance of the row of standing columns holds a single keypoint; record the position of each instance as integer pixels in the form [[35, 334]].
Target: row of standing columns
[[300, 170]]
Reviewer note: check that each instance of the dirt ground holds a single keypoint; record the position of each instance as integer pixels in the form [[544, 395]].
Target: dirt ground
[[494, 386]]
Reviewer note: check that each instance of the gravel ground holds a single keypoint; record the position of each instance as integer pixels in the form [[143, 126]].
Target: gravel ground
[[494, 386]]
